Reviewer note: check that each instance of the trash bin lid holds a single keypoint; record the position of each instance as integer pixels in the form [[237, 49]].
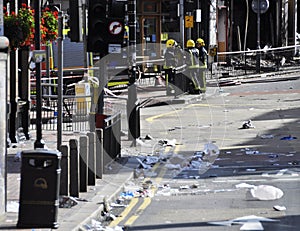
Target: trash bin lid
[[41, 153]]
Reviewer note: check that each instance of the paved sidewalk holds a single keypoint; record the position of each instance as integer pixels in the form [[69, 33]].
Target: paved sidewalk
[[108, 188]]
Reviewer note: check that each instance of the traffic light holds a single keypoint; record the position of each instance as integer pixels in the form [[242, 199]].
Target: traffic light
[[105, 26], [75, 20], [189, 6]]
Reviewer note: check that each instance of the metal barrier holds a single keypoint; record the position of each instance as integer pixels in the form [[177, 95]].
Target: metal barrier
[[75, 114], [250, 62]]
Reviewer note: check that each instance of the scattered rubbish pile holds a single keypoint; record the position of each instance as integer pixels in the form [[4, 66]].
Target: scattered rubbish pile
[[98, 226], [200, 160]]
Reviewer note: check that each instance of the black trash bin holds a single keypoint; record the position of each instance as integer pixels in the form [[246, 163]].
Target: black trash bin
[[39, 191]]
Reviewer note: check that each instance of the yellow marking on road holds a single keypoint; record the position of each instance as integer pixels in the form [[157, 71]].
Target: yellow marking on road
[[134, 201], [152, 118], [126, 211], [147, 200], [144, 205], [240, 146]]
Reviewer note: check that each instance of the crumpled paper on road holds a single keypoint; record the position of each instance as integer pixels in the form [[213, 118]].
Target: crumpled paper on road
[[262, 192]]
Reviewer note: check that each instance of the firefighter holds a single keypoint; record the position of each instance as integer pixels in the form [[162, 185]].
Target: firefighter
[[200, 45], [170, 59], [192, 62], [170, 65]]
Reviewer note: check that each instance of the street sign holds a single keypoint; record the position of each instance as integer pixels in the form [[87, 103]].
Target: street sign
[[263, 6], [114, 48], [115, 28], [39, 56], [189, 21]]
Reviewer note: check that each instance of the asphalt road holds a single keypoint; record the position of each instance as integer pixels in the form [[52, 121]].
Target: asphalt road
[[207, 198]]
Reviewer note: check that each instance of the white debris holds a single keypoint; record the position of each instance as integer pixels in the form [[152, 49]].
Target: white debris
[[95, 225], [279, 208], [211, 149], [184, 187], [251, 152], [211, 152], [266, 192], [151, 160], [167, 142], [67, 201], [247, 124], [267, 136], [145, 166], [142, 143], [17, 157], [262, 192], [173, 166], [244, 185]]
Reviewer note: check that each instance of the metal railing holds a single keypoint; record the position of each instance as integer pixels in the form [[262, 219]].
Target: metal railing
[[242, 63], [75, 112]]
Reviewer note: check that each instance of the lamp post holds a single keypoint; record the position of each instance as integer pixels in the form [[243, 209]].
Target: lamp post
[[132, 92], [60, 79], [258, 38], [259, 7], [39, 143]]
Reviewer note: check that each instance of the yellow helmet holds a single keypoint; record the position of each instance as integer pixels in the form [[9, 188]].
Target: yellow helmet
[[171, 43], [200, 41], [190, 43]]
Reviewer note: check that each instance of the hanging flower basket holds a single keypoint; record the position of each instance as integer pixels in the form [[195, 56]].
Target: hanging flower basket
[[49, 25], [19, 28]]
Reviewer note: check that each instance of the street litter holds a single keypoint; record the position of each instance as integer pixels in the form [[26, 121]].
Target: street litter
[[211, 152], [117, 205], [288, 138], [244, 185], [149, 173], [262, 192], [151, 160], [173, 166], [67, 201], [142, 143], [17, 157], [167, 142], [143, 165], [148, 137], [211, 149], [267, 136], [273, 155], [184, 187], [251, 152], [247, 124], [279, 208], [127, 195], [266, 192], [137, 193], [97, 225]]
